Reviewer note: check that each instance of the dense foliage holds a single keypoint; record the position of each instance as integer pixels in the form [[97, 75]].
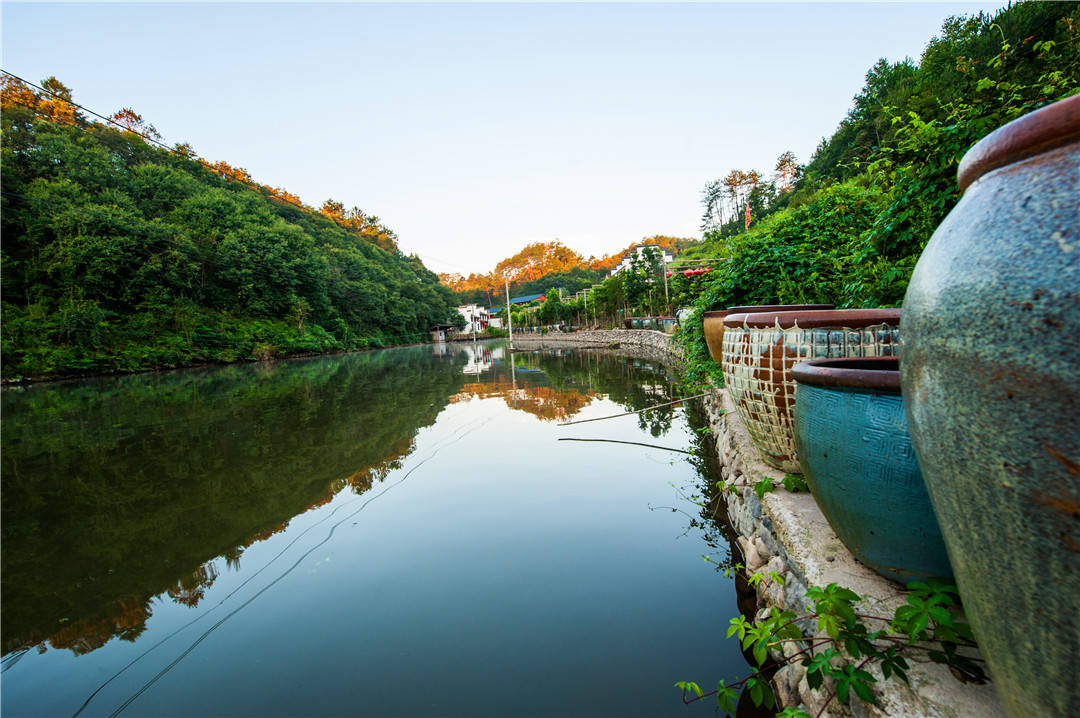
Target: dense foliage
[[120, 255], [854, 221]]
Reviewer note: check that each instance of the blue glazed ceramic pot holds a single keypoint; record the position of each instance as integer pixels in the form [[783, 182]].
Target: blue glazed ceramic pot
[[855, 450], [991, 378]]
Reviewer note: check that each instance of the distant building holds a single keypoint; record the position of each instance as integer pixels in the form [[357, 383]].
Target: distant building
[[625, 263], [439, 332], [476, 318], [526, 299]]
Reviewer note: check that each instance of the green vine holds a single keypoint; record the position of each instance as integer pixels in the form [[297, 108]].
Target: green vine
[[837, 643]]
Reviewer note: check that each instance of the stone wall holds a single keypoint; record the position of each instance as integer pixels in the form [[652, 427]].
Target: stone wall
[[787, 533], [642, 343]]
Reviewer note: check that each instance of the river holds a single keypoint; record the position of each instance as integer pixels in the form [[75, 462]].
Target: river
[[399, 532]]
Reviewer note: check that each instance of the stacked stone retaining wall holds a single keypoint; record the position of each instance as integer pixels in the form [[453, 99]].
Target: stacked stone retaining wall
[[643, 343]]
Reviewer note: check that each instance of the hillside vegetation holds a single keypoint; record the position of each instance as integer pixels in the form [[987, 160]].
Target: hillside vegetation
[[851, 224], [545, 265], [121, 255], [848, 227]]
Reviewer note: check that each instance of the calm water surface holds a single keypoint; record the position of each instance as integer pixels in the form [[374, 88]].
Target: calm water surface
[[389, 533]]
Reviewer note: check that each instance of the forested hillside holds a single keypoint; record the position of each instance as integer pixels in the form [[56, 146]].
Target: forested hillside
[[543, 265], [119, 254]]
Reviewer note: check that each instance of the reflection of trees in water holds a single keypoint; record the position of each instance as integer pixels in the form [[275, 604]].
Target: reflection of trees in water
[[126, 618], [119, 490], [116, 491], [544, 402], [557, 385], [191, 589], [712, 519]]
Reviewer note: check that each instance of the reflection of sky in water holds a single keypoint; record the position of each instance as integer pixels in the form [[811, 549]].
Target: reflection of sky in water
[[484, 568]]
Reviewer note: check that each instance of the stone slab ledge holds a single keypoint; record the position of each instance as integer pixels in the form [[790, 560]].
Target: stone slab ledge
[[787, 533]]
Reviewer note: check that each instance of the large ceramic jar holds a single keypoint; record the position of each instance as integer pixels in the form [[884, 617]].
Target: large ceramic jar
[[991, 380], [760, 349], [713, 322], [855, 451]]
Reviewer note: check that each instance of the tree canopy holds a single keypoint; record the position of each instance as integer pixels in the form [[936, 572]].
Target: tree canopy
[[119, 254]]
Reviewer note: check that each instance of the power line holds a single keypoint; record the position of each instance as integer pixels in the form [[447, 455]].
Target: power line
[[88, 110], [147, 138]]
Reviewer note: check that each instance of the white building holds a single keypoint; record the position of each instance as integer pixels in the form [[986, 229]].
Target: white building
[[625, 263], [476, 318]]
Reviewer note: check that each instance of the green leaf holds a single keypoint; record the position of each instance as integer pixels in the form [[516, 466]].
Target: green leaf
[[763, 487], [726, 697], [739, 624], [761, 652], [863, 691], [795, 483], [755, 691], [792, 712], [690, 686]]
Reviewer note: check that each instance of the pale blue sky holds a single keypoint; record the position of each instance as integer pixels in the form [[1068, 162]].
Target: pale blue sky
[[472, 130]]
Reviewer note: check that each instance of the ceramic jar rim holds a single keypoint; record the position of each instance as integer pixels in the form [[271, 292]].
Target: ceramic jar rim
[[815, 319], [749, 308], [1036, 132], [876, 373]]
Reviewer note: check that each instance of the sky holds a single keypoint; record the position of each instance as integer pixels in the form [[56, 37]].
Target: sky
[[472, 130]]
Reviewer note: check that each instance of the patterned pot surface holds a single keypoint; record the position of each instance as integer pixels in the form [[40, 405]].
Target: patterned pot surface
[[761, 348], [714, 322], [855, 450], [991, 380]]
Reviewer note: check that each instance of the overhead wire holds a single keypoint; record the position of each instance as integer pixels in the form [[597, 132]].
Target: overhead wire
[[95, 114]]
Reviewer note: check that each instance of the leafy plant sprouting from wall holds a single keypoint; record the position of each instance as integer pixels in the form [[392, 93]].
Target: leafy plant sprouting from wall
[[836, 644]]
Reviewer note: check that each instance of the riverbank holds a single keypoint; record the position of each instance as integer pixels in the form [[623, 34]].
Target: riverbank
[[644, 343], [21, 380], [786, 533]]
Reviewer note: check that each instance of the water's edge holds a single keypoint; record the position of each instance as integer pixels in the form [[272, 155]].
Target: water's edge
[[787, 533]]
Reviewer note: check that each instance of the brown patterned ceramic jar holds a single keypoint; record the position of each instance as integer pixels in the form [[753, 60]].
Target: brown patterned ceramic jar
[[760, 350], [714, 322]]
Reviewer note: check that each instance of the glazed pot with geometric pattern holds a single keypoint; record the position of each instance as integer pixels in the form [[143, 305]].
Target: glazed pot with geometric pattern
[[990, 370], [713, 322], [760, 349], [856, 454]]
